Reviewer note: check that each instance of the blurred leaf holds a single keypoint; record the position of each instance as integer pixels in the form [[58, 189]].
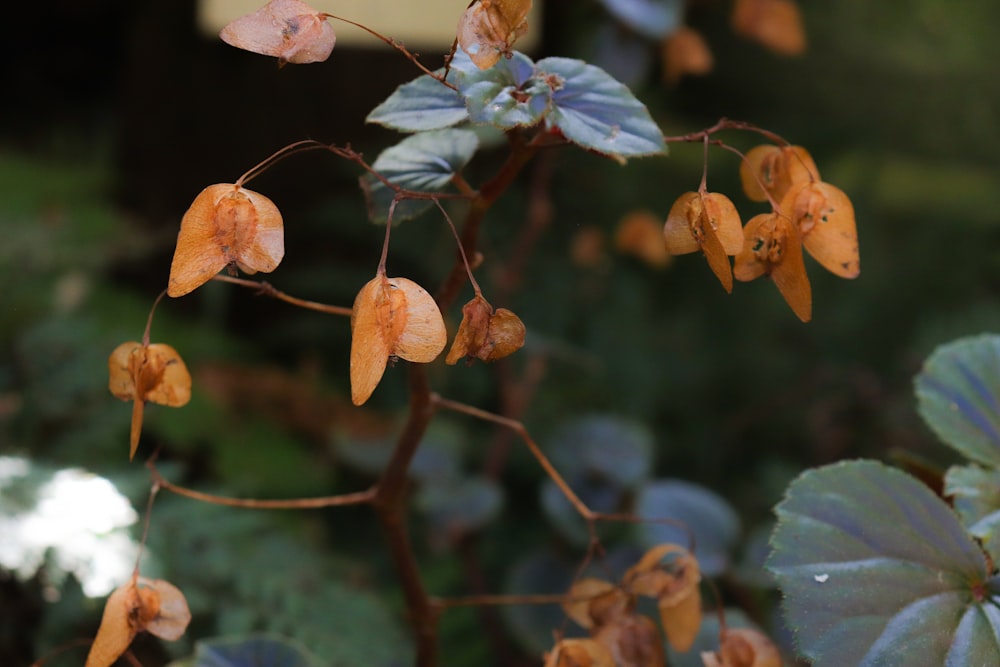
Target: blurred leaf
[[599, 495], [876, 570], [424, 162], [595, 111], [288, 583], [975, 492], [708, 518], [605, 446], [958, 395], [622, 54], [457, 506], [538, 573], [253, 651], [256, 457], [652, 18], [438, 458], [422, 104]]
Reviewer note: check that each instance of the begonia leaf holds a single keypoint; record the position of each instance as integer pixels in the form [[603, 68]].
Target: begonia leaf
[[424, 162], [597, 112], [420, 105], [876, 569], [654, 19], [958, 395]]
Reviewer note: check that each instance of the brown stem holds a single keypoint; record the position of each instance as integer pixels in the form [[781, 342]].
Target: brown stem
[[358, 498], [520, 154], [389, 508], [267, 289], [412, 57]]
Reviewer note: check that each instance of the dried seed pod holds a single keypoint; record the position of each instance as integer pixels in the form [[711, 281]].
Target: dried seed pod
[[640, 233], [289, 30], [706, 221], [226, 225], [669, 573], [392, 317], [595, 602], [776, 24], [489, 28], [774, 170], [579, 653], [141, 605], [684, 52], [743, 647], [486, 334], [141, 373], [773, 247], [825, 218], [633, 641]]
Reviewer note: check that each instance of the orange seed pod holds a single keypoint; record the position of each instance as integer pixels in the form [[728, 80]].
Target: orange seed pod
[[489, 28], [289, 30], [226, 225]]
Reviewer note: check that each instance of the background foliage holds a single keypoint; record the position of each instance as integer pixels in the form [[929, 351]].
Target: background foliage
[[110, 133]]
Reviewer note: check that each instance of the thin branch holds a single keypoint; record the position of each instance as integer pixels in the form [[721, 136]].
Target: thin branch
[[533, 447], [359, 498], [520, 154], [509, 600], [149, 320], [461, 250], [399, 47], [280, 154], [266, 289]]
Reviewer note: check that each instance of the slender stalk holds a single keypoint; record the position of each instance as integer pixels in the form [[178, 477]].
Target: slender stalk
[[341, 500], [521, 153], [389, 507], [268, 289]]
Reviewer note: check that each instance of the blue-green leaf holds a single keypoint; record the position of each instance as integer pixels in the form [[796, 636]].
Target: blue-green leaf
[[603, 446], [597, 112], [424, 162], [876, 570], [597, 494], [958, 395], [506, 95], [653, 18], [422, 104], [456, 506], [705, 516], [975, 492], [252, 651]]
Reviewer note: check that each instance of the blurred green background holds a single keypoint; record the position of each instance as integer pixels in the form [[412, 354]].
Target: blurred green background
[[116, 114]]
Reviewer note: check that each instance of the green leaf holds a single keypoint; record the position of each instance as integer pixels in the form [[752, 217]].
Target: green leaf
[[424, 162], [597, 494], [705, 515], [958, 395], [458, 506], [876, 570], [420, 105], [252, 651], [597, 112], [603, 446], [506, 95], [652, 18], [975, 492]]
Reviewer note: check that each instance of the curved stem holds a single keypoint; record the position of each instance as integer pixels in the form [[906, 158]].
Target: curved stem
[[267, 289], [358, 498]]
